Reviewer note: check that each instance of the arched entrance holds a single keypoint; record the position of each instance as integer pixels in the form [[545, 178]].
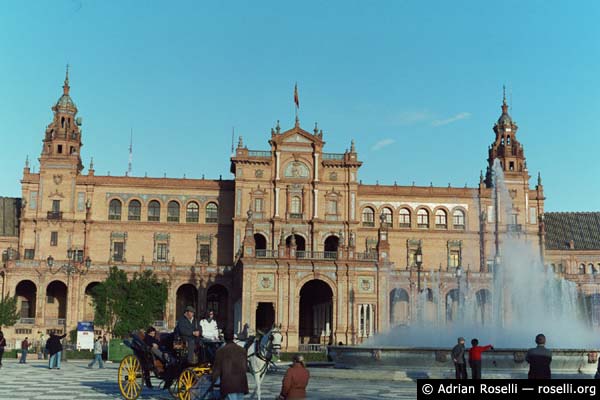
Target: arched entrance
[[56, 303], [300, 242], [331, 246], [26, 293], [260, 245], [216, 300], [88, 306], [316, 312], [265, 316], [187, 295], [399, 302]]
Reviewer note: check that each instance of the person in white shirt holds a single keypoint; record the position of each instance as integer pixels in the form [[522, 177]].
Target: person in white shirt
[[210, 334]]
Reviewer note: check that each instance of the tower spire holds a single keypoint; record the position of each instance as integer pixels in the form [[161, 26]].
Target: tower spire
[[66, 86], [504, 105]]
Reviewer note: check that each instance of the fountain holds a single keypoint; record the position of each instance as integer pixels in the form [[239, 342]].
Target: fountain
[[525, 298]]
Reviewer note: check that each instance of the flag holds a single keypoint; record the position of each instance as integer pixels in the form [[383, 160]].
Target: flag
[[296, 96]]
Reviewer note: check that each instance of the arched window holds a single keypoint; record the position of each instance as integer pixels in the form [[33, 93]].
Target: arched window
[[582, 269], [114, 210], [173, 211], [422, 218], [404, 218], [296, 207], [387, 213], [212, 213], [441, 219], [134, 210], [591, 269], [192, 212], [458, 219], [154, 211], [368, 217]]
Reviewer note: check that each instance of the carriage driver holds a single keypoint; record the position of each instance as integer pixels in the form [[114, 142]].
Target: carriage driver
[[210, 334], [189, 330]]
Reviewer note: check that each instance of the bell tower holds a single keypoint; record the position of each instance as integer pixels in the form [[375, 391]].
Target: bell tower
[[506, 148], [62, 141]]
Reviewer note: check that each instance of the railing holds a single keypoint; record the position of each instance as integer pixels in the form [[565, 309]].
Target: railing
[[259, 153], [27, 321], [55, 214], [366, 256], [55, 321], [296, 215], [312, 348], [514, 228], [368, 223], [266, 253], [333, 156]]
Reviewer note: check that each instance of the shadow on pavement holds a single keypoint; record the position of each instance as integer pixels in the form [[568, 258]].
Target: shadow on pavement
[[112, 389]]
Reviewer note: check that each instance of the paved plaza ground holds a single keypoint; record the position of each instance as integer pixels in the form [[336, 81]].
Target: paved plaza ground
[[75, 381]]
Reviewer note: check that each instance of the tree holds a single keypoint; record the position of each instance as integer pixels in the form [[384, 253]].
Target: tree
[[8, 311], [124, 305]]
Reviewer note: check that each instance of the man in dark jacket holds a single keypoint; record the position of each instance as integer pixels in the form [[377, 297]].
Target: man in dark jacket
[[458, 357], [539, 359], [230, 366], [188, 328], [54, 347]]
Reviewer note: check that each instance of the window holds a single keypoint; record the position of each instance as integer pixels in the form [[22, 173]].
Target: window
[[78, 254], [154, 211], [582, 269], [162, 252], [441, 219], [258, 204], [191, 213], [53, 238], [212, 213], [296, 207], [59, 149], [532, 215], [114, 210], [513, 219], [55, 206], [454, 258], [387, 213], [29, 254], [204, 253], [422, 218], [366, 314], [135, 210], [173, 212], [404, 218], [368, 217], [458, 219], [118, 251], [332, 207]]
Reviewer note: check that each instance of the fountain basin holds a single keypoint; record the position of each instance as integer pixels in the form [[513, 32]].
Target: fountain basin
[[430, 361]]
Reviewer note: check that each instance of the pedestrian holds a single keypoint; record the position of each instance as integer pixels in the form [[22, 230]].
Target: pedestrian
[[230, 367], [188, 328], [458, 356], [475, 357], [41, 343], [24, 350], [295, 380], [210, 334], [104, 348], [539, 359], [54, 347], [2, 346], [97, 353]]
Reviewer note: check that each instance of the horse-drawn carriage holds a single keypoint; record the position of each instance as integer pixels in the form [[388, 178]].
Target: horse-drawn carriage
[[184, 381]]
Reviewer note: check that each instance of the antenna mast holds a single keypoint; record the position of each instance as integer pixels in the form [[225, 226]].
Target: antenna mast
[[130, 153]]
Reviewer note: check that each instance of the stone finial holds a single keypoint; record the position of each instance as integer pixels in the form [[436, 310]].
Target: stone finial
[[240, 143], [539, 179], [352, 147], [316, 130], [91, 163], [66, 86], [480, 176], [249, 213], [27, 161], [277, 127]]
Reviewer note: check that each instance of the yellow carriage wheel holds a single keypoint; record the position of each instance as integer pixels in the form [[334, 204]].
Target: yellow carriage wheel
[[130, 377], [187, 380]]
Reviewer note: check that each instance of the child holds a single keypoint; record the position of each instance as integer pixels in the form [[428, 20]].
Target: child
[[475, 357]]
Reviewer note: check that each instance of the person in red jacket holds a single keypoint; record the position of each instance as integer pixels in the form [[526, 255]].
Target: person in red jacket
[[475, 357]]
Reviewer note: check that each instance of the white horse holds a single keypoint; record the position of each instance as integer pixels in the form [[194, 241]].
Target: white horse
[[260, 354]]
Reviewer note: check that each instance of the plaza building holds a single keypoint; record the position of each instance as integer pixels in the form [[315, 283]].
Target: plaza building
[[294, 238]]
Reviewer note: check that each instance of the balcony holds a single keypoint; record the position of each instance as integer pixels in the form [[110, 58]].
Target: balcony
[[27, 321], [368, 223], [259, 154], [55, 321], [333, 156], [514, 228], [296, 215], [266, 253], [57, 215]]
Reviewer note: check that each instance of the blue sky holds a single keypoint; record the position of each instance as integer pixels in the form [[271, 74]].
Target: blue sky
[[417, 84]]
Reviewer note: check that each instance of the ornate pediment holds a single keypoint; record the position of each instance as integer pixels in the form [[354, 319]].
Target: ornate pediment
[[296, 138]]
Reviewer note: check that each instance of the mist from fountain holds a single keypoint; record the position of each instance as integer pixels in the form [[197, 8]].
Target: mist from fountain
[[525, 298]]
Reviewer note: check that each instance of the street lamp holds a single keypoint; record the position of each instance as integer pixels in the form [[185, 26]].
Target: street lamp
[[419, 262]]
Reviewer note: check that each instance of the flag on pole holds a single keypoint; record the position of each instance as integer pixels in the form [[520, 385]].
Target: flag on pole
[[296, 100]]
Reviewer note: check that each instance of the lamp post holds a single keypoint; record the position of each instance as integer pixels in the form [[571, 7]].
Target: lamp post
[[419, 263], [73, 266]]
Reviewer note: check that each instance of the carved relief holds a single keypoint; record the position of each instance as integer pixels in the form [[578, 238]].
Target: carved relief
[[296, 169], [266, 282], [333, 176], [366, 284], [258, 173], [57, 179]]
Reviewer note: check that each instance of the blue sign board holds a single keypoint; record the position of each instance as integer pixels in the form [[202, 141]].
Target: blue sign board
[[85, 326]]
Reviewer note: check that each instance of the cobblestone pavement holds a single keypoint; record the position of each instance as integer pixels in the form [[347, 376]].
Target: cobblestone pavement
[[75, 381]]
